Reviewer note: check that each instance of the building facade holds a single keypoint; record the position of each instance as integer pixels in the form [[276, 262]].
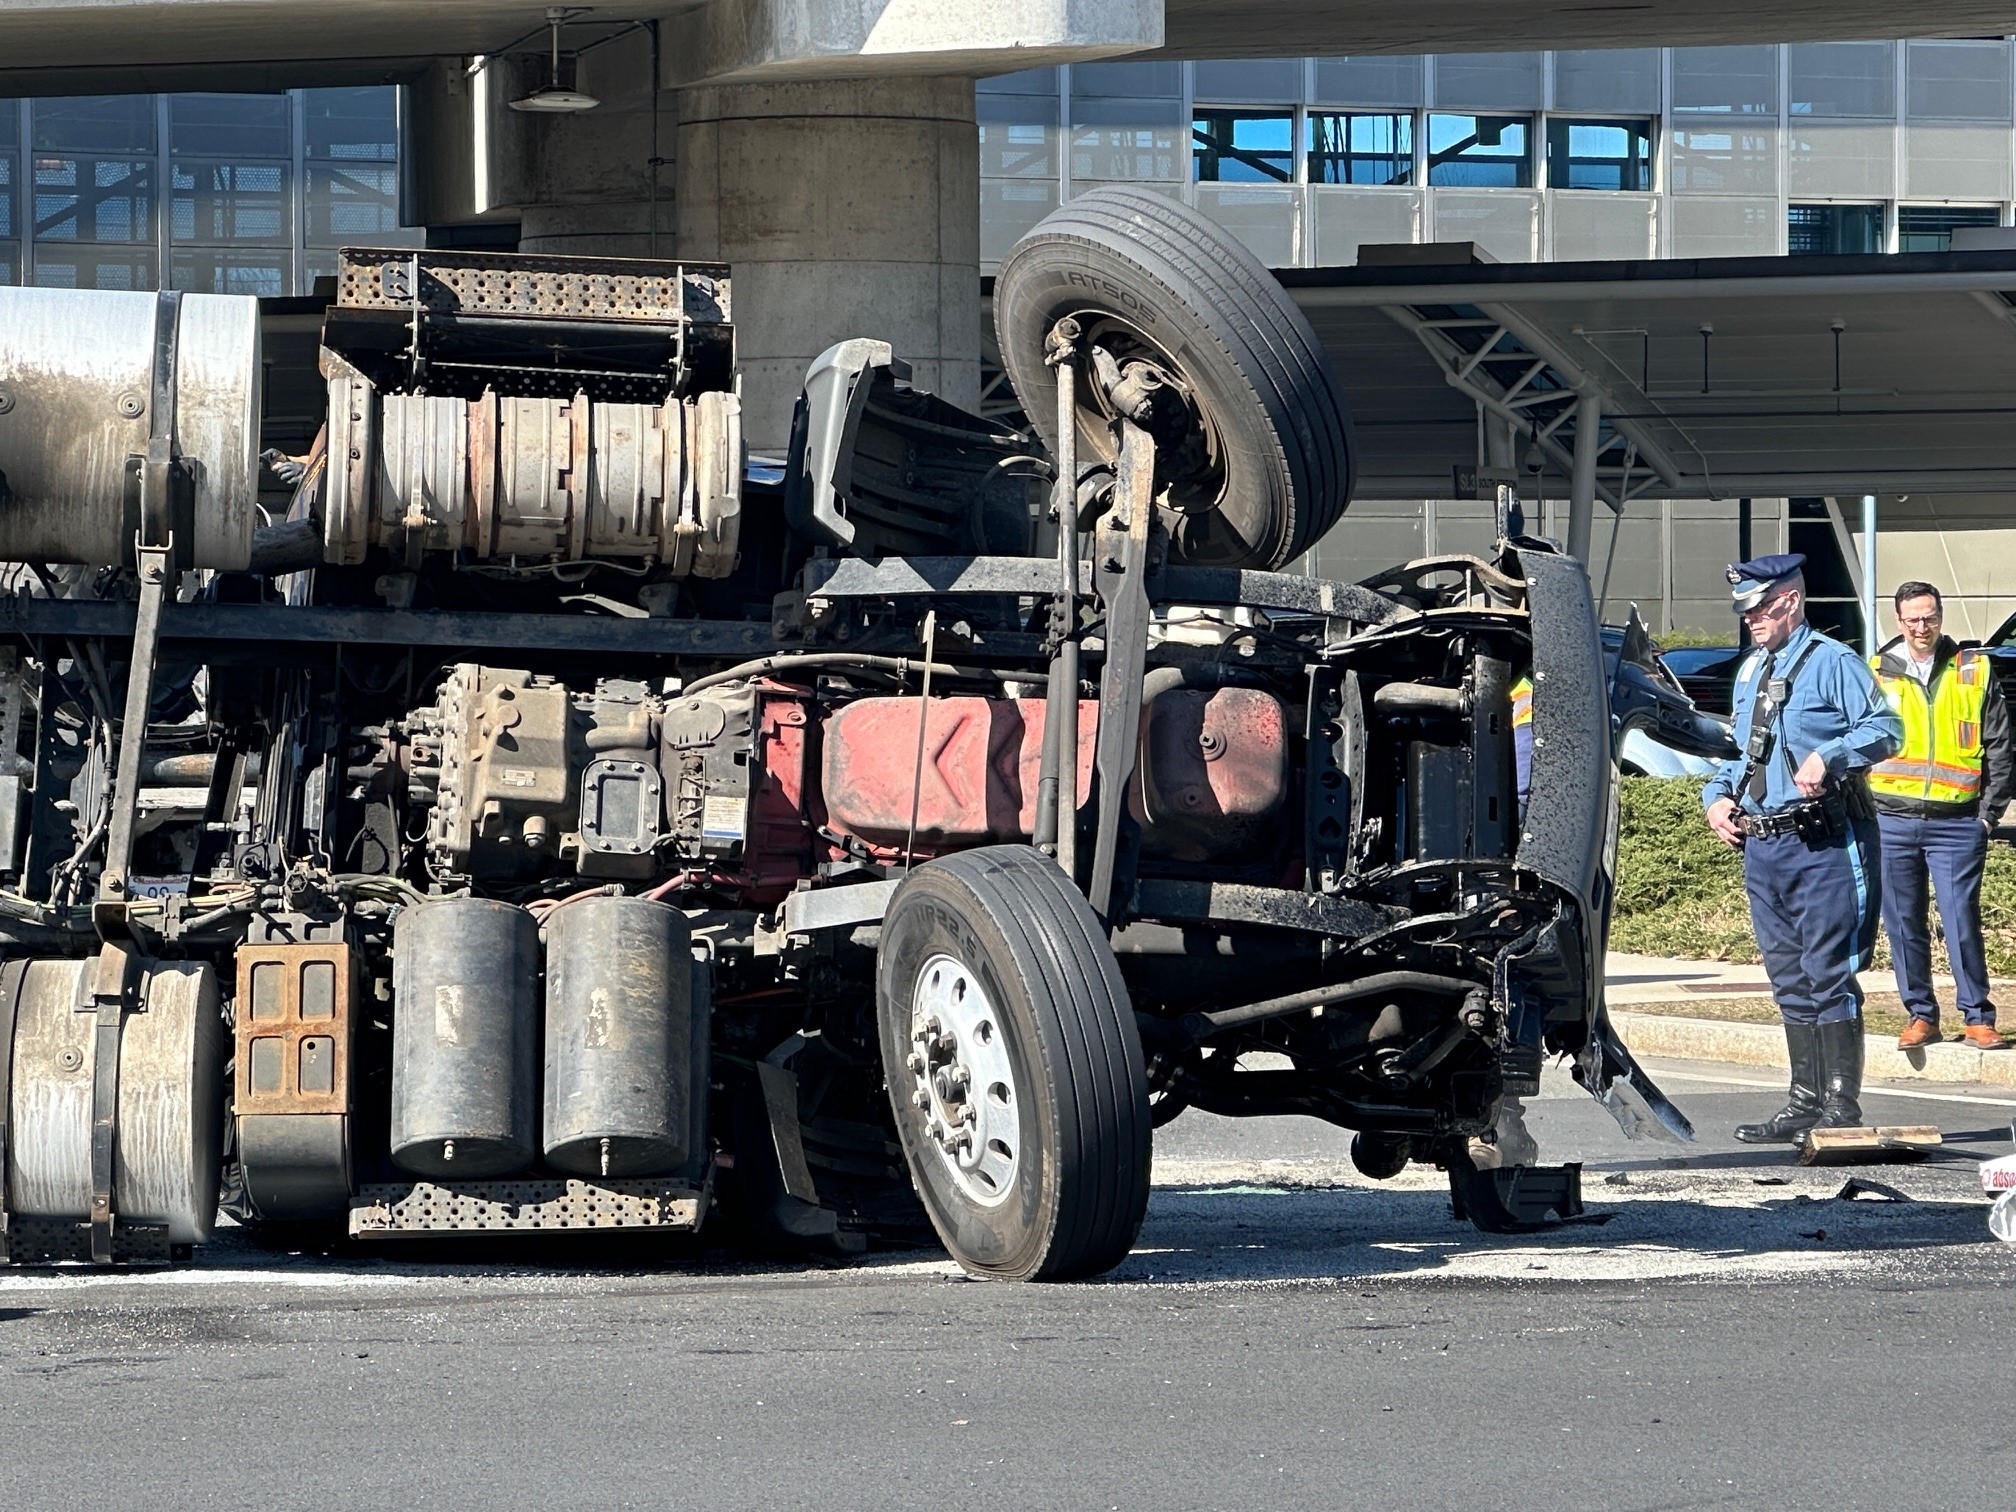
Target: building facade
[[1695, 152], [215, 193]]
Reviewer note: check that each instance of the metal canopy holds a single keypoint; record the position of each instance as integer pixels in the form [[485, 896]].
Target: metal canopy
[[1697, 379]]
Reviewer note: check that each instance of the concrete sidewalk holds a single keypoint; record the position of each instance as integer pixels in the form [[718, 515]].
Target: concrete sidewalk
[[1640, 979]]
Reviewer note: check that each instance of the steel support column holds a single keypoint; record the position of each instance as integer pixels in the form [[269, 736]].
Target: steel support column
[[1582, 483], [1870, 637]]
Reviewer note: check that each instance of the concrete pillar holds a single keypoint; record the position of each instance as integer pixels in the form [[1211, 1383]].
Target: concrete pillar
[[587, 184], [848, 207]]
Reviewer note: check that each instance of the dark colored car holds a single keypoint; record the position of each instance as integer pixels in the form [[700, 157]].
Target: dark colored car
[[1708, 673]]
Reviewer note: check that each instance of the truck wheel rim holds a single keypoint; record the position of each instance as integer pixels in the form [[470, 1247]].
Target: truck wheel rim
[[962, 1082]]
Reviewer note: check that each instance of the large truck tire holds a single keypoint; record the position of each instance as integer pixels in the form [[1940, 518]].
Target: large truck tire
[[1014, 1067], [1149, 278]]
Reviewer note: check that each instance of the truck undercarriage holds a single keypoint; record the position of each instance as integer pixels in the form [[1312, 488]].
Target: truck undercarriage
[[552, 824]]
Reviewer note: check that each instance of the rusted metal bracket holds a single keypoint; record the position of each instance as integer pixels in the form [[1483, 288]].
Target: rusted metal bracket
[[1120, 577], [114, 993], [109, 912], [1056, 830]]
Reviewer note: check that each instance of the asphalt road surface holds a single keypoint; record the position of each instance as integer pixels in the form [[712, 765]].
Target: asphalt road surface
[[1737, 1333]]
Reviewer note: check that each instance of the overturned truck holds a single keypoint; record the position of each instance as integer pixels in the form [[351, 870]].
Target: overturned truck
[[554, 821]]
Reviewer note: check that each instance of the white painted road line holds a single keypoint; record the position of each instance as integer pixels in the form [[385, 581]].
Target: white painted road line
[[1867, 1091]]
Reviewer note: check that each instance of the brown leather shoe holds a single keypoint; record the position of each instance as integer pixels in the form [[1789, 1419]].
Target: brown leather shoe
[[1983, 1037], [1919, 1033]]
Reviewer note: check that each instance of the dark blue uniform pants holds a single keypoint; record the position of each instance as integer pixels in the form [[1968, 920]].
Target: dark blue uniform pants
[[1814, 908], [1949, 854]]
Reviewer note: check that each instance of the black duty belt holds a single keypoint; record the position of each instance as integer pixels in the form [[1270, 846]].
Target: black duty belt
[[1784, 822]]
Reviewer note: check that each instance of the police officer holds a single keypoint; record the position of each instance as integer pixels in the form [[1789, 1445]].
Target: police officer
[[1810, 722], [1936, 801]]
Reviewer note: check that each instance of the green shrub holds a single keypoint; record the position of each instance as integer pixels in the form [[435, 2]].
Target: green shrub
[[1680, 890]]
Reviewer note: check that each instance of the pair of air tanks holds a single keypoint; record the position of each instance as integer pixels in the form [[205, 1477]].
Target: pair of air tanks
[[623, 1053]]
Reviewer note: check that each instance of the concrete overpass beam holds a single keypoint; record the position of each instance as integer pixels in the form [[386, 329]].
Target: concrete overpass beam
[[733, 41]]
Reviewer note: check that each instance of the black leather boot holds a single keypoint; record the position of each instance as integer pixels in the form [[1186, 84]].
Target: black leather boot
[[1841, 1072], [1802, 1109]]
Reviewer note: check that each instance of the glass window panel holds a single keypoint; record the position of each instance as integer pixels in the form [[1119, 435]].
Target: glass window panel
[[232, 270], [1368, 81], [1505, 225], [222, 125], [1597, 226], [1127, 152], [8, 194], [1343, 220], [1740, 80], [10, 123], [318, 272], [1479, 152], [352, 125], [1599, 154], [1501, 81], [1126, 112], [1812, 230], [10, 262], [1930, 228], [1360, 149], [1840, 159], [1956, 162], [1626, 79], [1094, 79], [1725, 227], [1718, 155], [349, 206], [1243, 146], [1030, 81], [1015, 150], [230, 202], [1957, 81], [94, 123], [93, 200], [1264, 219], [1008, 208], [1016, 110], [1853, 79], [59, 266], [1263, 79]]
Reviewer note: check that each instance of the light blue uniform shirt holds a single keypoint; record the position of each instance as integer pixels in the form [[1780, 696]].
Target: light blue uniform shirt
[[1835, 709]]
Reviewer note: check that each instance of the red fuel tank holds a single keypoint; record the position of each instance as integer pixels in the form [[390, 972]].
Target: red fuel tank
[[1213, 770], [982, 757]]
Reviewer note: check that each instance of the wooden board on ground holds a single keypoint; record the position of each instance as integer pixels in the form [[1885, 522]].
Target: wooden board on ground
[[1867, 1145]]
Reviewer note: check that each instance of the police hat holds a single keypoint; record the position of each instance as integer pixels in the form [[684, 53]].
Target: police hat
[[1754, 581]]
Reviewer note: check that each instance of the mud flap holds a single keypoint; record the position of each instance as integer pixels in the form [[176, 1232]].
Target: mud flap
[[1607, 1071]]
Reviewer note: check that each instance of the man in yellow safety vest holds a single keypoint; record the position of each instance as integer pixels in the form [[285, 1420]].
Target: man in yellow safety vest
[[1937, 801]]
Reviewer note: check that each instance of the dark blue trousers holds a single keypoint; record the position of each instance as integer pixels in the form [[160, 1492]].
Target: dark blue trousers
[[1948, 854], [1814, 908]]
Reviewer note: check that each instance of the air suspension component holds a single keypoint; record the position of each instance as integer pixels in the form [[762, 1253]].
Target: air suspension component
[[619, 1030], [465, 1005], [87, 380], [168, 1132]]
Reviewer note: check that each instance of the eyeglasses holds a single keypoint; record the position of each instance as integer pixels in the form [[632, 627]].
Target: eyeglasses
[[1768, 607], [1920, 619]]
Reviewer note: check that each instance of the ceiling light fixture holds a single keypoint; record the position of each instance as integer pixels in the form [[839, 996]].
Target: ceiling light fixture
[[553, 99]]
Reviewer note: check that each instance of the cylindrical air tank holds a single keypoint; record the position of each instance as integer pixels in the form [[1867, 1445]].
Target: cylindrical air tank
[[465, 1013], [619, 1025]]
